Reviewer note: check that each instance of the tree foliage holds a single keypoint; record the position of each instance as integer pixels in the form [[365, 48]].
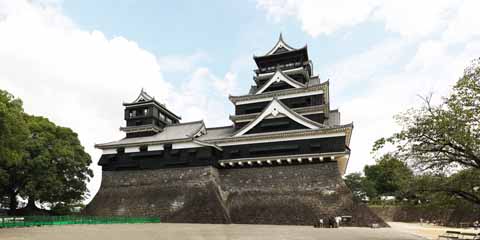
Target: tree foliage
[[39, 161], [13, 135], [387, 177], [445, 138], [390, 176], [57, 151], [361, 188], [464, 184]]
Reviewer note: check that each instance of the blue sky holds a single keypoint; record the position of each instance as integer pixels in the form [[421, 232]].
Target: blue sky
[[76, 61], [226, 31]]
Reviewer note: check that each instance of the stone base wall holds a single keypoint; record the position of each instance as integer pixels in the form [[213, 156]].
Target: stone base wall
[[296, 194], [456, 216], [189, 195]]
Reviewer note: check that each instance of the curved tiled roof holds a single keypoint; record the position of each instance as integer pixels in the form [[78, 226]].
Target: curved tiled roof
[[174, 132]]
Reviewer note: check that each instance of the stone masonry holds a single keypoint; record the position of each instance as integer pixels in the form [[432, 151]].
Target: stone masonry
[[295, 194]]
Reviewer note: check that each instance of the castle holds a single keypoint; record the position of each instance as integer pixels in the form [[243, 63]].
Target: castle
[[280, 162]]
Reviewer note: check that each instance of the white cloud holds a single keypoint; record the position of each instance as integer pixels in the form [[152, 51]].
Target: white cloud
[[465, 24], [409, 18], [201, 98], [80, 78], [358, 70], [177, 63], [227, 84], [320, 17]]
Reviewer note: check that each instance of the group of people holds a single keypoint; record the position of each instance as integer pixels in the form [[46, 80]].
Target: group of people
[[331, 222]]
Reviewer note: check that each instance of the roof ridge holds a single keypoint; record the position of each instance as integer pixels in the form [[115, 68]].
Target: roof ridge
[[229, 126], [282, 92], [271, 81], [185, 123], [300, 116], [306, 122]]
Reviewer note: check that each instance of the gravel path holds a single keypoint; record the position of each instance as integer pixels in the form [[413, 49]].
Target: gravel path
[[426, 230], [155, 231]]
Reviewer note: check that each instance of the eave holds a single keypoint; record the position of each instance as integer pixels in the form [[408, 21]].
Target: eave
[[267, 96], [157, 104], [279, 76], [343, 129], [263, 60], [296, 70], [302, 111], [142, 128], [341, 158], [275, 108], [340, 130]]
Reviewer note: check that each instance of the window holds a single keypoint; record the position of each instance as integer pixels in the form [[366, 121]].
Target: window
[[161, 116], [167, 147], [133, 113], [308, 101], [144, 148], [169, 121], [120, 150]]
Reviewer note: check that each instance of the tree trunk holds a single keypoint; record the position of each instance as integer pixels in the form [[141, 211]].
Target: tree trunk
[[13, 202], [31, 204]]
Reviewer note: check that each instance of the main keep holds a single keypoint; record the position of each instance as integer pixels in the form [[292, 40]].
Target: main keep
[[280, 162]]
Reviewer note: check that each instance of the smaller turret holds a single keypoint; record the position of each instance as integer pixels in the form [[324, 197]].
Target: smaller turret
[[146, 117]]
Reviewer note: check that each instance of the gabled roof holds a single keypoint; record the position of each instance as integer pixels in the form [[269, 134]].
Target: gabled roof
[[281, 50], [145, 98], [285, 93], [274, 108], [171, 133], [280, 47], [277, 77], [301, 110]]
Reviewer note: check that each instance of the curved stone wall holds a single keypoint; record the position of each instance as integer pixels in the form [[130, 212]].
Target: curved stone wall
[[190, 195], [293, 194]]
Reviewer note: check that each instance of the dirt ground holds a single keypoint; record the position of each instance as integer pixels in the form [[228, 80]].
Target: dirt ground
[[155, 231], [426, 230]]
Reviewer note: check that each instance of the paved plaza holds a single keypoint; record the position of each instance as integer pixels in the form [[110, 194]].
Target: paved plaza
[[201, 231]]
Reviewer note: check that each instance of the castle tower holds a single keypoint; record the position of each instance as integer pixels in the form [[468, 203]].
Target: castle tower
[[288, 97], [280, 162], [146, 117]]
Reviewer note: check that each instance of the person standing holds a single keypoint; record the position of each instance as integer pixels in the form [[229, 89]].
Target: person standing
[[331, 222], [338, 219]]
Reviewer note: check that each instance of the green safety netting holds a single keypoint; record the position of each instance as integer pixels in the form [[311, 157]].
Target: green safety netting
[[28, 221]]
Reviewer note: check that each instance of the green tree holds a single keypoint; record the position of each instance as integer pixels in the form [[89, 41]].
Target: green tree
[[13, 134], [389, 176], [361, 187], [444, 138], [39, 161], [463, 184], [57, 151]]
